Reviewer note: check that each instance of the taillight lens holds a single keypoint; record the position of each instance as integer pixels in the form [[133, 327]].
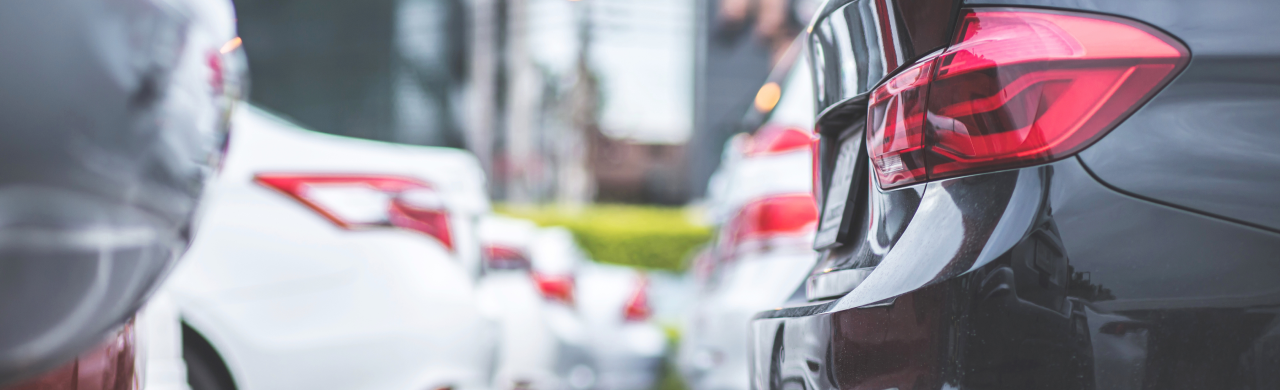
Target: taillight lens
[[789, 215], [895, 136], [557, 288], [776, 215], [774, 139], [1018, 87], [368, 201], [501, 257], [637, 308], [217, 80], [421, 210]]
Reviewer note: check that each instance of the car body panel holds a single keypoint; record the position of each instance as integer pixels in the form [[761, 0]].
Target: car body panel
[[756, 273], [717, 356], [291, 300], [1218, 113], [528, 349], [159, 340], [851, 30], [554, 252], [110, 132], [545, 342], [1084, 273], [111, 365], [628, 354], [959, 317]]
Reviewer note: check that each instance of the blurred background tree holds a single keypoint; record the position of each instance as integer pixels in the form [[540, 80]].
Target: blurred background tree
[[650, 237]]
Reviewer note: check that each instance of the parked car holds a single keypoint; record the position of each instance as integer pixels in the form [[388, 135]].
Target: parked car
[[112, 115], [766, 219], [159, 346], [1039, 194], [556, 261], [531, 287], [628, 348], [510, 294], [336, 263]]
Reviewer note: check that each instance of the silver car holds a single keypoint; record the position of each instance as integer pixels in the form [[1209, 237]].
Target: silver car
[[113, 116]]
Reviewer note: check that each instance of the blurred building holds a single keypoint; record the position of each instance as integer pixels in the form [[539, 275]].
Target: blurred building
[[562, 100], [391, 70], [585, 100], [631, 172]]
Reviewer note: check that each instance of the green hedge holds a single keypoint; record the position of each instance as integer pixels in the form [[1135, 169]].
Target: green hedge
[[642, 236]]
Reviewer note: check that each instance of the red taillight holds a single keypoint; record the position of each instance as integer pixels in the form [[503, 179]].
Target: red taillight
[[637, 308], [217, 79], [790, 215], [427, 217], [896, 114], [501, 257], [776, 215], [368, 201], [555, 287], [1017, 88], [776, 139]]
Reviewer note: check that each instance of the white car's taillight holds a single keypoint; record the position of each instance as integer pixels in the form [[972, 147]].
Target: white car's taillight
[[775, 139], [368, 201], [765, 222], [637, 308], [557, 288], [504, 257]]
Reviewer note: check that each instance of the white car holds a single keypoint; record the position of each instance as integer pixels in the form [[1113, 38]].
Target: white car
[[327, 262], [158, 349], [508, 293], [629, 349], [556, 260], [764, 208], [529, 286]]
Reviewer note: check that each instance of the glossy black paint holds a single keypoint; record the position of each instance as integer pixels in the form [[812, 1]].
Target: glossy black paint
[[859, 45], [853, 46], [1044, 278], [1151, 260]]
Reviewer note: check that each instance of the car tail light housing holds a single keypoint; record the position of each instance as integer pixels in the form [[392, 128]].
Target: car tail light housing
[[637, 308], [1017, 87], [896, 114], [357, 202], [774, 139], [217, 79], [777, 139], [761, 223], [502, 257], [557, 288]]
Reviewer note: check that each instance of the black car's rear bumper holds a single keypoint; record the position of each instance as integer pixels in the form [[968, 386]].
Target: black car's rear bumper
[[1042, 278]]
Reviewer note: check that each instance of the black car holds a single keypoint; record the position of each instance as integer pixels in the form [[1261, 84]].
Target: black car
[[1039, 194]]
